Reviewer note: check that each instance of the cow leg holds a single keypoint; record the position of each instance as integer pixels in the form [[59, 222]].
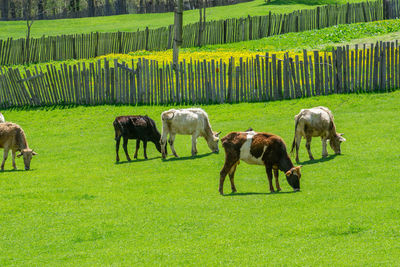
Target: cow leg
[[308, 146], [171, 144], [125, 146], [144, 148], [5, 155], [13, 159], [297, 144], [163, 141], [232, 177], [225, 170], [324, 151], [194, 143], [117, 141], [137, 148], [269, 174], [276, 174]]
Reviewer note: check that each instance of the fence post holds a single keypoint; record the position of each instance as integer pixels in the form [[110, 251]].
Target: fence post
[[147, 39], [230, 72]]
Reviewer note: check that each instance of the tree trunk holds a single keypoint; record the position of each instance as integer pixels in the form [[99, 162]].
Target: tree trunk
[[40, 6], [12, 10], [27, 43], [91, 8], [4, 10], [108, 8], [202, 22], [178, 19]]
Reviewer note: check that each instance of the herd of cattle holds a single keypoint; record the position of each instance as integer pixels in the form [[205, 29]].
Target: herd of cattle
[[249, 146]]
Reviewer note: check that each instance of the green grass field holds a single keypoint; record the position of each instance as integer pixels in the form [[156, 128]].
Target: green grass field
[[133, 22], [78, 207]]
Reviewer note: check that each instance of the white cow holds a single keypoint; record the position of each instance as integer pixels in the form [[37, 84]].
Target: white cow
[[2, 118], [313, 122], [191, 121]]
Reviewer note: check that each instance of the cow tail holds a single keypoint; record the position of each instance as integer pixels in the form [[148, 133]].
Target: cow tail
[[294, 138], [118, 130]]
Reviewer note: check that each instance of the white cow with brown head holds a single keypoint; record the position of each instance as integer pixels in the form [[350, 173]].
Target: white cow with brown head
[[191, 121], [314, 122], [13, 137]]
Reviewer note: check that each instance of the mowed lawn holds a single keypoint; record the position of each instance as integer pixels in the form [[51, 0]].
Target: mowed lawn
[[77, 206]]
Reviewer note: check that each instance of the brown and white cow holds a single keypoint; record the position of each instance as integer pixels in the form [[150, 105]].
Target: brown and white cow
[[313, 122], [260, 149], [191, 121], [13, 137]]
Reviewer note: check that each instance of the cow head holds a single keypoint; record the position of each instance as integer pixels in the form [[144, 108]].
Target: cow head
[[293, 177], [335, 142], [27, 154], [213, 142]]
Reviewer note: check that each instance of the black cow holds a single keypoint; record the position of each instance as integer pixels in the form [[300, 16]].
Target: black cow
[[141, 128]]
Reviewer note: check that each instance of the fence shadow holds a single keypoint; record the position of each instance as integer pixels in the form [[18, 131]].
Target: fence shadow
[[189, 157], [310, 162], [136, 160], [259, 193]]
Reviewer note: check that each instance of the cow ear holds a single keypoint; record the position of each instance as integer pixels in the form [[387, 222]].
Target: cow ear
[[34, 153], [289, 172], [217, 134], [341, 134], [19, 155]]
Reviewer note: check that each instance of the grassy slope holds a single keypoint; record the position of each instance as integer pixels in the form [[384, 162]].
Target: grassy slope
[[78, 207], [16, 29], [324, 39]]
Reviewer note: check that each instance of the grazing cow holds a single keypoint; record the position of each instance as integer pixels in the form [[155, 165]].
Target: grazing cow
[[2, 118], [191, 121], [13, 137], [141, 128], [259, 149], [313, 122]]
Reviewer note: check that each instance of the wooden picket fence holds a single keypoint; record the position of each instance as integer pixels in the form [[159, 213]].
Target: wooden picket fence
[[263, 78], [91, 45]]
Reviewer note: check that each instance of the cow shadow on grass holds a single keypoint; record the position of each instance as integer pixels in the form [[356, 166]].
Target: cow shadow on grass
[[309, 162], [136, 160], [188, 157], [17, 170], [260, 193]]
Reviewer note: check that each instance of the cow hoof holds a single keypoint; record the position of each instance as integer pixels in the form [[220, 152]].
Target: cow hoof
[[176, 155]]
